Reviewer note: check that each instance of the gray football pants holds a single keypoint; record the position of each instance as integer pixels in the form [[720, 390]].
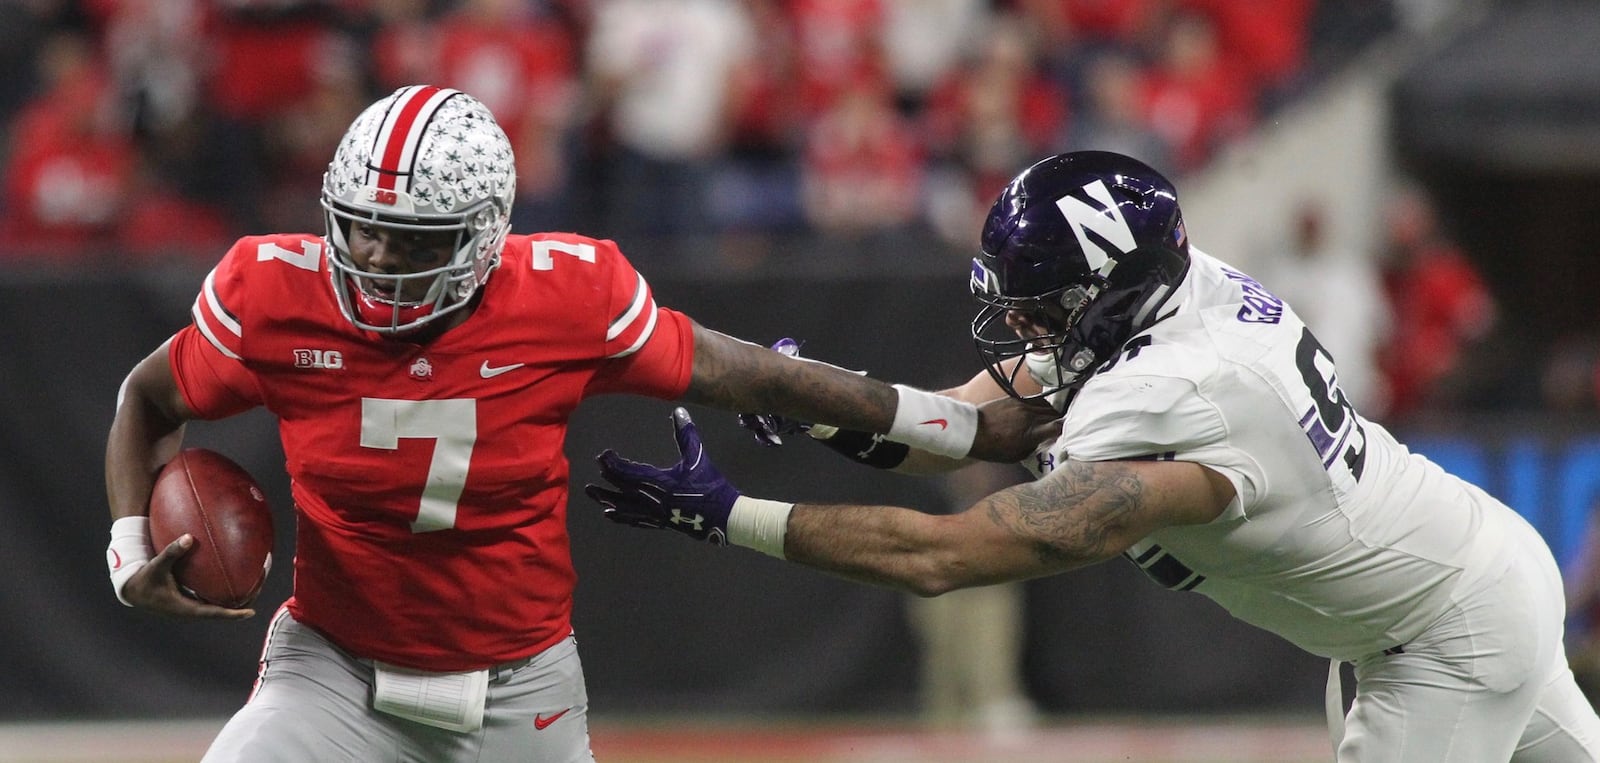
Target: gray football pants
[[313, 701]]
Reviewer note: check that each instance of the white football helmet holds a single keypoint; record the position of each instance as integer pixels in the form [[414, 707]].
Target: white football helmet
[[428, 159]]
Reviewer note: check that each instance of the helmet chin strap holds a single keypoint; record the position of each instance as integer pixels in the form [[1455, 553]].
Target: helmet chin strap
[[1044, 369]]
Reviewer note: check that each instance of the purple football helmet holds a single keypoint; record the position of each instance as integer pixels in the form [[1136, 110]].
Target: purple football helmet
[[1083, 249]]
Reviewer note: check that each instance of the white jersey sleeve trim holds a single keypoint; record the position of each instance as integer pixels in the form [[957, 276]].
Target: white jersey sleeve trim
[[641, 297], [644, 336], [205, 331], [208, 310], [209, 290]]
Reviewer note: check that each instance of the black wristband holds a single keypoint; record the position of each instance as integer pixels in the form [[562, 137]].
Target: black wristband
[[868, 448]]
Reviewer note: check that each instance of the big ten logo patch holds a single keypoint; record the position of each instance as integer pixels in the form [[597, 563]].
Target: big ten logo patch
[[324, 359]]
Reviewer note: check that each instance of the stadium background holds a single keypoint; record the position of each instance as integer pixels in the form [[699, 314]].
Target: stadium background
[[1491, 109]]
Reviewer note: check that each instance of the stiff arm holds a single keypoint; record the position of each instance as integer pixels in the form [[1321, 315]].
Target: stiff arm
[[737, 375], [1079, 514]]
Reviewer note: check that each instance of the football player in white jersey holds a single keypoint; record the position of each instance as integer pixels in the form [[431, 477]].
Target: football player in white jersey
[[1206, 439]]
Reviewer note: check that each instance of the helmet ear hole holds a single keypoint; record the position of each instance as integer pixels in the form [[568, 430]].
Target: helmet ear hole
[[1073, 298]]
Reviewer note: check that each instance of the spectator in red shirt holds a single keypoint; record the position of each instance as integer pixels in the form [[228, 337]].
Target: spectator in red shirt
[[71, 158], [997, 110], [838, 44], [1193, 96], [1439, 301], [992, 114], [863, 166], [1266, 37], [266, 56], [523, 65]]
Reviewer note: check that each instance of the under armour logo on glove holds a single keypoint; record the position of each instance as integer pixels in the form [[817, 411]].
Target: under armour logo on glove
[[691, 497], [679, 519]]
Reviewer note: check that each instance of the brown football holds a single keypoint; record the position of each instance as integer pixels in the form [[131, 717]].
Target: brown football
[[206, 494]]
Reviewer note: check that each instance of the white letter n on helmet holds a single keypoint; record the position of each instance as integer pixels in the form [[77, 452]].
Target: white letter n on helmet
[[1107, 222]]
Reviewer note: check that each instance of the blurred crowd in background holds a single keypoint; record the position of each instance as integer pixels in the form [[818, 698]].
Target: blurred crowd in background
[[714, 131], [165, 126], [709, 129]]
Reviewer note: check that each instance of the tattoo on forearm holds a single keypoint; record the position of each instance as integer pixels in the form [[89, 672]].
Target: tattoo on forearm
[[713, 381], [1071, 516]]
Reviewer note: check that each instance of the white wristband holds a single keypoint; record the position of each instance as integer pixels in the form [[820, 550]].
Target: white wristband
[[759, 524], [130, 549], [934, 423]]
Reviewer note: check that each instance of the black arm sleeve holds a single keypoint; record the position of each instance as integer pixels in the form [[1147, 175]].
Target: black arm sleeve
[[867, 448]]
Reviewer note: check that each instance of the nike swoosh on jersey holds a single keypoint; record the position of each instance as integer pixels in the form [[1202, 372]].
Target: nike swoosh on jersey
[[942, 423], [489, 372], [541, 722]]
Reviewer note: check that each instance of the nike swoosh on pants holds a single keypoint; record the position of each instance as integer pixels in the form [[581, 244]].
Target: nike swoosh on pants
[[541, 722]]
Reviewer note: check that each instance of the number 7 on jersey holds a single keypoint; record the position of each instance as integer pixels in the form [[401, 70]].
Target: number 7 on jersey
[[451, 424]]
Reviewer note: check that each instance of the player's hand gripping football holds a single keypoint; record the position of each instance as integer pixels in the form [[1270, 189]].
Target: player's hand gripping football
[[769, 428], [156, 589], [691, 496]]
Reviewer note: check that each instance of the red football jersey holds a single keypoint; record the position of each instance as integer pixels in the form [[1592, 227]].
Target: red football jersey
[[429, 480]]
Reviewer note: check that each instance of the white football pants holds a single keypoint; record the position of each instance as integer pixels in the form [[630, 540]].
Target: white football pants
[[1487, 683]]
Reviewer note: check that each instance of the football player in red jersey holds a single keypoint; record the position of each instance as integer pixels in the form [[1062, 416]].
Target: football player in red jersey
[[422, 407]]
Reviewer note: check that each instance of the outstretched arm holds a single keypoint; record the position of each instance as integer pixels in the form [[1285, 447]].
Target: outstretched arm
[[981, 390], [1079, 514], [733, 374]]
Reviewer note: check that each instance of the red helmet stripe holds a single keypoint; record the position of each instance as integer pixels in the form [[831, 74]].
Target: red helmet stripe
[[401, 132]]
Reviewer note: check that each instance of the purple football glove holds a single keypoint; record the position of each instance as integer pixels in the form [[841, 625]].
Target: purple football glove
[[692, 497], [769, 428]]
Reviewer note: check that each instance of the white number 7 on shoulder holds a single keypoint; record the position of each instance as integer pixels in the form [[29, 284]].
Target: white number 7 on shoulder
[[542, 249]]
